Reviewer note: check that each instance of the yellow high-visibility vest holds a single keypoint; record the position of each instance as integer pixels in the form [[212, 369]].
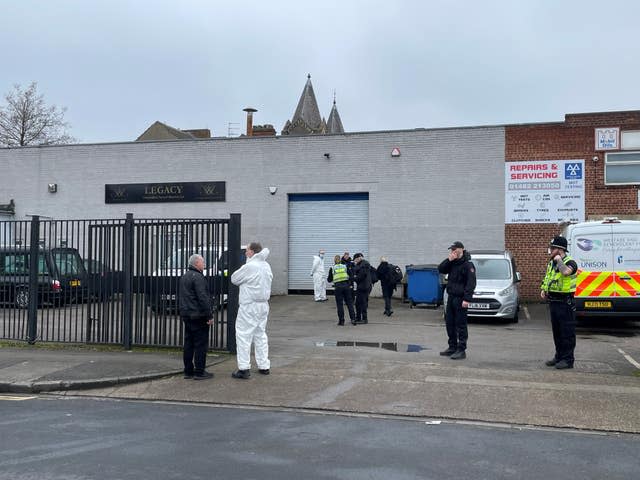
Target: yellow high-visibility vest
[[555, 282]]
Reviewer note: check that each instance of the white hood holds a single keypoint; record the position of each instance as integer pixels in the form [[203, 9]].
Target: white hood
[[254, 278]]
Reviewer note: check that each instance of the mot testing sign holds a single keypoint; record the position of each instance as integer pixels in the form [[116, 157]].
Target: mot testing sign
[[548, 191]]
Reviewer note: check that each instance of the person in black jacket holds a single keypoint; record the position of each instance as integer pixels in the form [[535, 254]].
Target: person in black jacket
[[362, 276], [387, 284], [460, 286], [196, 309]]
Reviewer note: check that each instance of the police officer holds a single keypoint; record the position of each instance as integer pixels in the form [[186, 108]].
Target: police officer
[[339, 275], [557, 288], [460, 286], [362, 276]]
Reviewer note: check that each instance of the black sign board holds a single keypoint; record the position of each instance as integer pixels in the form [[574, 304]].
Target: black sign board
[[165, 192]]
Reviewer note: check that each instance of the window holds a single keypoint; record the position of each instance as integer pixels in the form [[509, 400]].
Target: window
[[17, 263], [492, 269], [622, 168], [630, 140], [68, 262]]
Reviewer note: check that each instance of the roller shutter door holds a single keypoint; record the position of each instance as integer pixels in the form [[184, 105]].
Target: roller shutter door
[[335, 222]]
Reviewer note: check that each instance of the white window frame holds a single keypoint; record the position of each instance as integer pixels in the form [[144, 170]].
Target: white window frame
[[631, 162]]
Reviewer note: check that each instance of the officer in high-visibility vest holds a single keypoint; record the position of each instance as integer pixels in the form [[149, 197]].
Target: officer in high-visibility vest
[[557, 288], [342, 278]]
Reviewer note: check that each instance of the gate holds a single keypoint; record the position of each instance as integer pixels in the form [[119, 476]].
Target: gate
[[113, 281]]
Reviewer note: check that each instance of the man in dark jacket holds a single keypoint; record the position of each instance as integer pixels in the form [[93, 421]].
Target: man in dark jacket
[[460, 286], [196, 314], [362, 276], [387, 284]]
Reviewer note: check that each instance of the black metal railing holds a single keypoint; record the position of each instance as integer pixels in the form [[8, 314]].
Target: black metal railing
[[113, 281]]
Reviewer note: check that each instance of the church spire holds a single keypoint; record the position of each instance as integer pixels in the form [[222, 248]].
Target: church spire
[[334, 123], [306, 119]]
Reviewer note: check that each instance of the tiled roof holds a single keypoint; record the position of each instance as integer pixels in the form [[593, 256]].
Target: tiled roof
[[162, 131]]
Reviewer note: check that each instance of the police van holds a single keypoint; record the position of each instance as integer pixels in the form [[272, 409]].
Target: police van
[[608, 256]]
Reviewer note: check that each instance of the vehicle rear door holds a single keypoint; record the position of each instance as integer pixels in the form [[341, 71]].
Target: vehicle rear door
[[626, 253], [592, 250]]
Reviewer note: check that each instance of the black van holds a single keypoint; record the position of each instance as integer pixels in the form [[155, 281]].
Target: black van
[[61, 276]]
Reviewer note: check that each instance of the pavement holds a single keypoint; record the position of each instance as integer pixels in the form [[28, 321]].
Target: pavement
[[389, 367]]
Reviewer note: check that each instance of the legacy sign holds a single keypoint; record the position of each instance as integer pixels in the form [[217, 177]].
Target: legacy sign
[[544, 191], [165, 192]]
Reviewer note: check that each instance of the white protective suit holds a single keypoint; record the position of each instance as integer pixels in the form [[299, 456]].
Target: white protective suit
[[319, 279], [254, 279]]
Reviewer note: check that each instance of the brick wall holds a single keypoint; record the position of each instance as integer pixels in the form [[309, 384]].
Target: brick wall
[[572, 139]]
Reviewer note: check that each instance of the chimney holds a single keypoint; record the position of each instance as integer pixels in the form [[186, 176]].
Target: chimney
[[249, 111]]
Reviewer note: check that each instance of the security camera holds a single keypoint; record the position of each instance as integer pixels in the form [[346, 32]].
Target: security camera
[[595, 158], [327, 155], [273, 190]]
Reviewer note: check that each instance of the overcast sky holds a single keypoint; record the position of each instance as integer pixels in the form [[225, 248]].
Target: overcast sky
[[120, 65]]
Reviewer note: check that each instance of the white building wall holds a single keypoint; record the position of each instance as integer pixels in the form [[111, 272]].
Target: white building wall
[[447, 185]]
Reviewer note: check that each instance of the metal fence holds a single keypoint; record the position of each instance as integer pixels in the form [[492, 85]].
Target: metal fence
[[113, 281]]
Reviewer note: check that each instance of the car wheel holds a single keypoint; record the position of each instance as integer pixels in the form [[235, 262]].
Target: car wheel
[[22, 298]]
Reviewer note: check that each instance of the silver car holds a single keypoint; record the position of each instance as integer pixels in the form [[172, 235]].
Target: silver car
[[496, 294]]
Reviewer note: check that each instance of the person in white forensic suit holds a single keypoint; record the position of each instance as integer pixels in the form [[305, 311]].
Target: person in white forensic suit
[[254, 279], [319, 277]]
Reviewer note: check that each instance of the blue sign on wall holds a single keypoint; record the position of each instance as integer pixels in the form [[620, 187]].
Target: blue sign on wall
[[573, 171]]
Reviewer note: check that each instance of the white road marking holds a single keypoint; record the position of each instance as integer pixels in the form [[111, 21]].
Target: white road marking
[[629, 358], [526, 312], [15, 398]]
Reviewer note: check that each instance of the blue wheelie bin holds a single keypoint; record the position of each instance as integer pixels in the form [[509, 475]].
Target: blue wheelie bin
[[424, 285]]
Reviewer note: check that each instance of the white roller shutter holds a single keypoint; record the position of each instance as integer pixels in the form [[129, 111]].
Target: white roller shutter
[[335, 222]]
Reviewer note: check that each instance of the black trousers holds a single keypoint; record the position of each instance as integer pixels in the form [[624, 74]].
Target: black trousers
[[387, 293], [456, 319], [362, 304], [563, 325], [344, 296], [196, 340]]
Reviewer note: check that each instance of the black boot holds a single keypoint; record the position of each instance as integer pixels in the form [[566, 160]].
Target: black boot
[[241, 374], [458, 355]]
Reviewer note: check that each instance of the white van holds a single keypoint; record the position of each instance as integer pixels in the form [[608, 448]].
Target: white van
[[164, 297], [608, 256]]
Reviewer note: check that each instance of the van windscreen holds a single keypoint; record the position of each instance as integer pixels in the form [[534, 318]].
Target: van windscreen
[[492, 268], [180, 259]]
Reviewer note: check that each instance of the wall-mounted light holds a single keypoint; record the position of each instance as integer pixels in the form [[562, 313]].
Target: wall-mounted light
[[595, 158], [53, 187], [273, 190], [327, 156]]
